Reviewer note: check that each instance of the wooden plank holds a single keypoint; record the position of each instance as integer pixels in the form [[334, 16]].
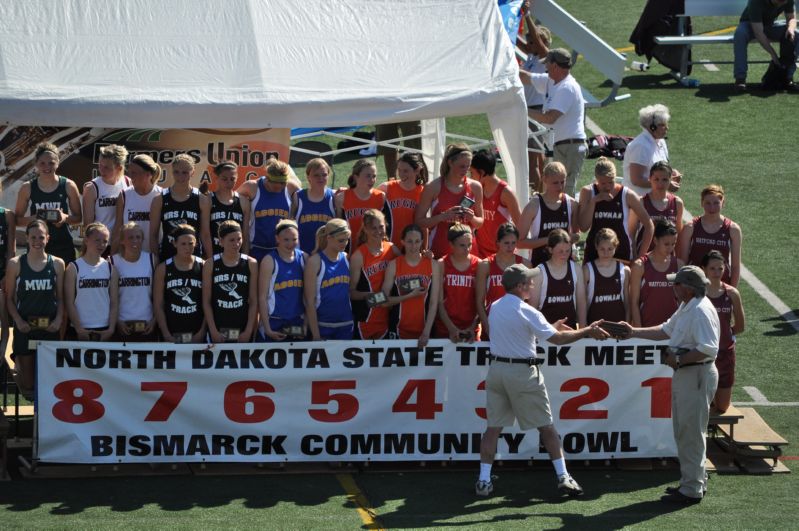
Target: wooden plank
[[758, 466], [731, 416], [752, 430], [24, 411]]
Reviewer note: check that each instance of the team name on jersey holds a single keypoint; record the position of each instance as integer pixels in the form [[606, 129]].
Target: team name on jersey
[[88, 283], [659, 284], [402, 202], [38, 284], [216, 216], [310, 218], [712, 242], [549, 225], [179, 214], [355, 212], [460, 280], [488, 215], [294, 283], [230, 305], [664, 217], [340, 279], [130, 282], [375, 268], [556, 299], [228, 277], [184, 310], [107, 201], [48, 205], [494, 280], [180, 282], [269, 212], [138, 216], [724, 309], [608, 215], [608, 298]]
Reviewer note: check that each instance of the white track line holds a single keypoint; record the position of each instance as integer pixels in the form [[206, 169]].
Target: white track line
[[755, 393], [761, 289], [759, 399]]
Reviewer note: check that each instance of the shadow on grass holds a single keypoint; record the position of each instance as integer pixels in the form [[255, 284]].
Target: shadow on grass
[[782, 325]]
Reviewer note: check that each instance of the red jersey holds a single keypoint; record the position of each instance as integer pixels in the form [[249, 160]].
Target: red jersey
[[401, 204], [723, 304], [445, 200], [669, 214], [494, 288], [494, 215], [460, 300], [558, 298], [411, 314], [372, 323], [546, 220], [656, 300], [606, 294], [702, 242], [354, 208]]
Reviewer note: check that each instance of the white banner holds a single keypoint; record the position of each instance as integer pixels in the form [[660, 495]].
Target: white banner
[[336, 401]]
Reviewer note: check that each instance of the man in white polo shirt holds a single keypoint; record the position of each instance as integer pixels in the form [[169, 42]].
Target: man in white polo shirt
[[563, 111], [515, 389]]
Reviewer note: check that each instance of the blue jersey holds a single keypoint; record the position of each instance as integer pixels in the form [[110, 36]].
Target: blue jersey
[[333, 290], [268, 208], [285, 287], [310, 216]]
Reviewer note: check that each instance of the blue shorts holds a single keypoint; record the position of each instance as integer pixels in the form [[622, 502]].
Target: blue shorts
[[338, 332]]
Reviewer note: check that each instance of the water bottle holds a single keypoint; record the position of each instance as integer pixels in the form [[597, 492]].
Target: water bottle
[[638, 65], [692, 83]]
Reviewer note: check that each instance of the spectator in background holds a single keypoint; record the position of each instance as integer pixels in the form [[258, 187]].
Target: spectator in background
[[552, 209], [457, 309], [135, 267], [648, 148], [499, 203], [711, 231], [389, 131], [52, 198], [560, 295], [652, 299], [564, 111], [360, 197], [759, 22], [135, 203], [314, 206], [101, 193], [659, 203], [607, 281], [226, 204], [403, 194], [447, 197]]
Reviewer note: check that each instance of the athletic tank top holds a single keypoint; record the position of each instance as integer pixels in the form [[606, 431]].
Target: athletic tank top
[[230, 292], [354, 208], [494, 215], [92, 296], [105, 206], [723, 305], [372, 322], [656, 301], [174, 213], [402, 205], [183, 291], [557, 295], [222, 212], [311, 216], [668, 214], [268, 208], [460, 300], [36, 290], [135, 287], [333, 304], [703, 242], [546, 220], [606, 294], [286, 287], [3, 242], [60, 243], [445, 200], [614, 215], [494, 288], [137, 209], [409, 316]]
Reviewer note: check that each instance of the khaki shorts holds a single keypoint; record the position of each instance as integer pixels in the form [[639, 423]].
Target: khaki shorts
[[516, 392]]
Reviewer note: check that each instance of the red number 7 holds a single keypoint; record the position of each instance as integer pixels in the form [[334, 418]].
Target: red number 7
[[171, 395]]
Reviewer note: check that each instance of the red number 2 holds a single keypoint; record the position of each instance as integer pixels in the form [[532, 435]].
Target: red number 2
[[171, 395], [598, 390]]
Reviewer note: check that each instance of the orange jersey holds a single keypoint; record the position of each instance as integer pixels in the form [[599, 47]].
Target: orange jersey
[[372, 323], [354, 208], [460, 300], [402, 204], [411, 314]]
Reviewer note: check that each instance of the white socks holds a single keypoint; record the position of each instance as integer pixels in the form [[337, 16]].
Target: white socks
[[485, 472], [560, 466]]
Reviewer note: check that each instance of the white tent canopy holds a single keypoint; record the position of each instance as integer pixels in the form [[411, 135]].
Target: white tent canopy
[[260, 63]]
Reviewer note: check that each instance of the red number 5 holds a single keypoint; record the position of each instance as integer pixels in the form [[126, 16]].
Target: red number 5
[[321, 394]]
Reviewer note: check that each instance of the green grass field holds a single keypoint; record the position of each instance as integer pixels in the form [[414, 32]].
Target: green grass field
[[747, 143]]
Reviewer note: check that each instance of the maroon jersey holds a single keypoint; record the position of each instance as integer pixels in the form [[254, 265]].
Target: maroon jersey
[[702, 242], [547, 220], [723, 305], [558, 297], [656, 301], [668, 214], [615, 215], [606, 294]]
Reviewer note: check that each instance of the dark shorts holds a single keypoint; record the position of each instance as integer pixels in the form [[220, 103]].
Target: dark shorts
[[20, 344], [725, 364]]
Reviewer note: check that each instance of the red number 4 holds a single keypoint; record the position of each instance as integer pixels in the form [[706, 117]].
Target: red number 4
[[425, 406]]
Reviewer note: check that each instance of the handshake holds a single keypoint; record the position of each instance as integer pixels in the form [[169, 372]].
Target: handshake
[[620, 330]]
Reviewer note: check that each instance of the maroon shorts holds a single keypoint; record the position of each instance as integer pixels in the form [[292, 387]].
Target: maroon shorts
[[725, 363]]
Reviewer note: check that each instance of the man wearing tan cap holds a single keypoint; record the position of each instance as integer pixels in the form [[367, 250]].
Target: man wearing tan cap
[[515, 389], [693, 334], [563, 111]]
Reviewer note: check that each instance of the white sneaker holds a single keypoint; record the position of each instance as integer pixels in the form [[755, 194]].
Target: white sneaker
[[567, 485], [483, 488]]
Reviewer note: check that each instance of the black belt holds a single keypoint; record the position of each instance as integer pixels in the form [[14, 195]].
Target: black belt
[[570, 141], [695, 363], [527, 361]]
